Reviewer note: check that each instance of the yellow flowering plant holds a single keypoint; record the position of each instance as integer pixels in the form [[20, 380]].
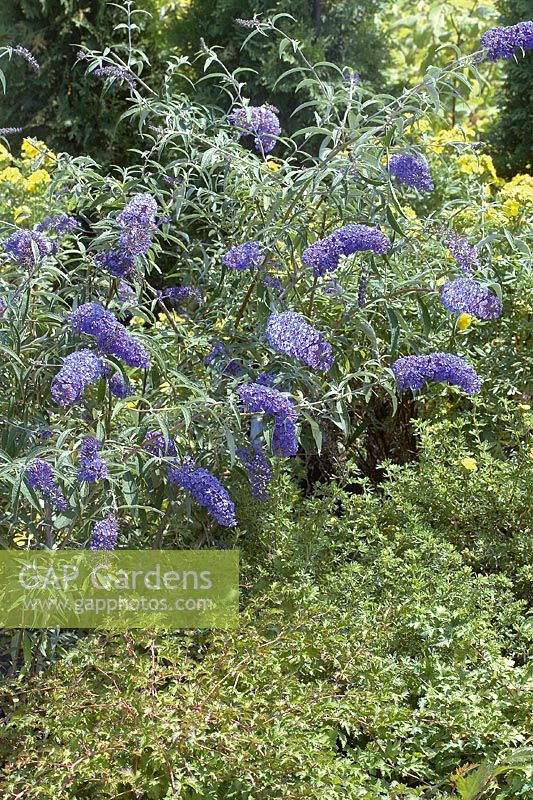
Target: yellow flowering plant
[[23, 182]]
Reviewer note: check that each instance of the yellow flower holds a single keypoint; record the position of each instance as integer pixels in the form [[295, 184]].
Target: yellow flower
[[165, 388], [511, 208], [20, 213], [137, 322], [519, 189], [524, 406], [409, 212], [272, 165], [35, 179], [10, 175], [5, 155], [32, 149], [446, 137], [469, 463], [441, 281], [470, 164], [464, 321]]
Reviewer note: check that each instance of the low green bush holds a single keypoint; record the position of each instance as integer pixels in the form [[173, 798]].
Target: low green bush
[[374, 659]]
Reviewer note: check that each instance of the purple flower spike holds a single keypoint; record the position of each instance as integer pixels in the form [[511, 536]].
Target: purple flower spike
[[40, 476], [289, 333], [413, 372], [412, 171], [79, 370], [466, 296], [206, 490], [324, 255], [244, 256], [104, 534], [257, 468], [28, 247], [260, 121], [505, 42], [112, 337]]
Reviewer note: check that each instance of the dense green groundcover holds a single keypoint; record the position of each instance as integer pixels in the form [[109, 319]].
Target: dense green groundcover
[[382, 649]]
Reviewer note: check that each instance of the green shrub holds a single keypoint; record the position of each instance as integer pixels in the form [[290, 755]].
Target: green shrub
[[370, 662]]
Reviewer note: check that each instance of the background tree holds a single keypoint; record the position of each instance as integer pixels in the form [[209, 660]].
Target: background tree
[[344, 32], [63, 107], [510, 138]]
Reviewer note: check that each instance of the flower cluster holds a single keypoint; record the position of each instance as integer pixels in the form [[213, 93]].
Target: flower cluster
[[259, 398], [27, 247], [119, 387], [24, 53], [260, 121], [93, 467], [40, 476], [257, 468], [138, 223], [244, 256], [60, 224], [2, 306], [118, 263], [104, 534], [289, 333], [178, 294], [413, 372], [155, 444], [111, 336], [465, 254], [324, 255], [465, 295], [119, 73], [78, 371], [411, 170], [504, 42], [206, 490]]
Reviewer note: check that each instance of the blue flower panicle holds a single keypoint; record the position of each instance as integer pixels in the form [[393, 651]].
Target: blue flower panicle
[[24, 53], [111, 336], [258, 469], [27, 248], [413, 372], [40, 476], [155, 444], [324, 255], [93, 467], [260, 121], [505, 42], [118, 263], [258, 398], [284, 438], [113, 71], [464, 253], [178, 294], [289, 333], [77, 372], [412, 171], [119, 387], [61, 224], [466, 296], [206, 490], [140, 211], [104, 535], [244, 256]]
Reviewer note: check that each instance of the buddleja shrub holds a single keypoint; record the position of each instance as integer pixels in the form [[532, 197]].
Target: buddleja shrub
[[233, 298]]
